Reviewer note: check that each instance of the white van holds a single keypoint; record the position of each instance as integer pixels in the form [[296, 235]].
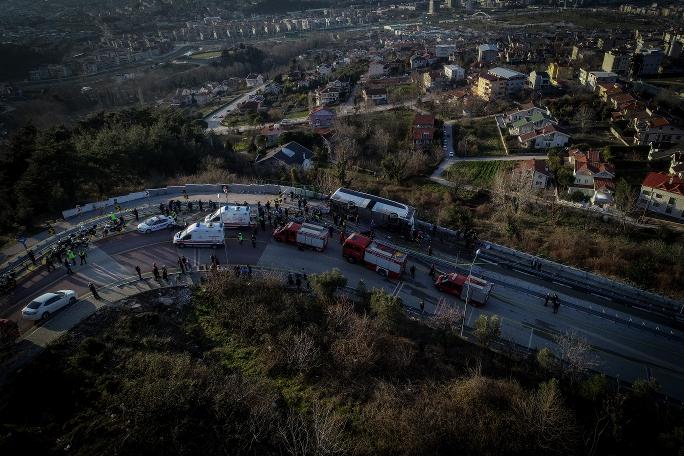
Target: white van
[[200, 235], [231, 216]]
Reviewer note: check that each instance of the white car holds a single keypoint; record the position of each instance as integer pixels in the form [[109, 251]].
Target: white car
[[45, 305], [158, 222]]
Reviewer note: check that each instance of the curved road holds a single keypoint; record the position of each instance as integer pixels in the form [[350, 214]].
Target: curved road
[[625, 351]]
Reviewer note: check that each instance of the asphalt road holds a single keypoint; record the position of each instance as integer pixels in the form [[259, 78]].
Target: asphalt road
[[626, 351]]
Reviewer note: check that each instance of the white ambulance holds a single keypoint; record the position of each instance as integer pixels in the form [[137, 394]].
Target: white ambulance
[[200, 235], [238, 216]]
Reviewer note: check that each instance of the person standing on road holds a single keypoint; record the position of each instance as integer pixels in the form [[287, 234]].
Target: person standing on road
[[432, 270], [137, 269], [68, 266], [412, 270], [82, 255], [93, 290], [155, 271], [48, 262], [430, 249], [201, 205], [253, 240], [556, 303], [547, 298], [422, 306], [181, 266], [262, 222], [241, 238], [186, 263], [135, 214], [71, 256], [165, 274], [32, 257]]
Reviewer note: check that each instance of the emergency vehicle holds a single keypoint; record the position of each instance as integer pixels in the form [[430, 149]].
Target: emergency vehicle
[[458, 284], [231, 216], [304, 235], [200, 235], [383, 259]]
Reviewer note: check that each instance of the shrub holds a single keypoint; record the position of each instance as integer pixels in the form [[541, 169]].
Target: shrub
[[487, 329], [326, 284], [387, 310]]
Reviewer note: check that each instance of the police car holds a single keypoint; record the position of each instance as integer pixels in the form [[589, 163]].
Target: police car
[[158, 222]]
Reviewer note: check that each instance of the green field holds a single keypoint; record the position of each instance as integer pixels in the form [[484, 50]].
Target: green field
[[477, 173], [483, 137], [206, 55]]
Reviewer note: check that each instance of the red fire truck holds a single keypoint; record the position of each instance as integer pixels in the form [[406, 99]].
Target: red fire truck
[[457, 285], [383, 259], [303, 235]]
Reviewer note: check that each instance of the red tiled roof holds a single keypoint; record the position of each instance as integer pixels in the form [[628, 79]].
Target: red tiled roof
[[659, 122], [424, 119], [601, 183], [665, 182]]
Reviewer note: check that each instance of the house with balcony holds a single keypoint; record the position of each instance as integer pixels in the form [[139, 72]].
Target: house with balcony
[[423, 130], [544, 138], [663, 194], [594, 178], [656, 130]]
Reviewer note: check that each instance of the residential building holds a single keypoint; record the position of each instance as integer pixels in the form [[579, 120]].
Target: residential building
[[454, 72], [558, 72], [321, 117], [442, 51], [647, 62], [327, 96], [528, 120], [324, 69], [291, 155], [539, 172], [592, 79], [544, 138], [664, 194], [616, 61], [490, 87], [418, 61], [515, 81], [423, 130], [375, 95], [254, 80], [539, 81], [271, 133], [656, 130], [487, 53], [593, 176]]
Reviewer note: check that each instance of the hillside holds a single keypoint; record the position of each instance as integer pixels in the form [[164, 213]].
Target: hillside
[[252, 367]]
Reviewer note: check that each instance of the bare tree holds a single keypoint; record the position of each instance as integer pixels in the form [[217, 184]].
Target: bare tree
[[328, 430], [381, 141], [575, 354], [301, 352], [585, 114], [546, 419]]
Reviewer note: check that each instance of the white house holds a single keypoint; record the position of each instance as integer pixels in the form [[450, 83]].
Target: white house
[[664, 194], [254, 80], [454, 72], [544, 138], [541, 176], [593, 178]]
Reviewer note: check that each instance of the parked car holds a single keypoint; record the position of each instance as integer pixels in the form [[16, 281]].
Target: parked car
[[158, 222], [45, 305]]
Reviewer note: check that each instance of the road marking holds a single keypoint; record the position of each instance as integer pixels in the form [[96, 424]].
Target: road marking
[[600, 296], [563, 285], [104, 271], [140, 247]]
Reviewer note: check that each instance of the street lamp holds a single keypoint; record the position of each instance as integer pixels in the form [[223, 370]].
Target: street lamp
[[465, 308]]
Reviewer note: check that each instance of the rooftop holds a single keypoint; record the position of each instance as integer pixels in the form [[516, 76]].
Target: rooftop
[[505, 73]]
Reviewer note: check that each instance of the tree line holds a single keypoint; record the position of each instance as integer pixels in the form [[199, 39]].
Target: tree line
[[43, 171]]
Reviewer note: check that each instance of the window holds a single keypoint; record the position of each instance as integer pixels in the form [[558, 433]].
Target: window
[[671, 201], [52, 300], [187, 237], [646, 192], [658, 195]]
